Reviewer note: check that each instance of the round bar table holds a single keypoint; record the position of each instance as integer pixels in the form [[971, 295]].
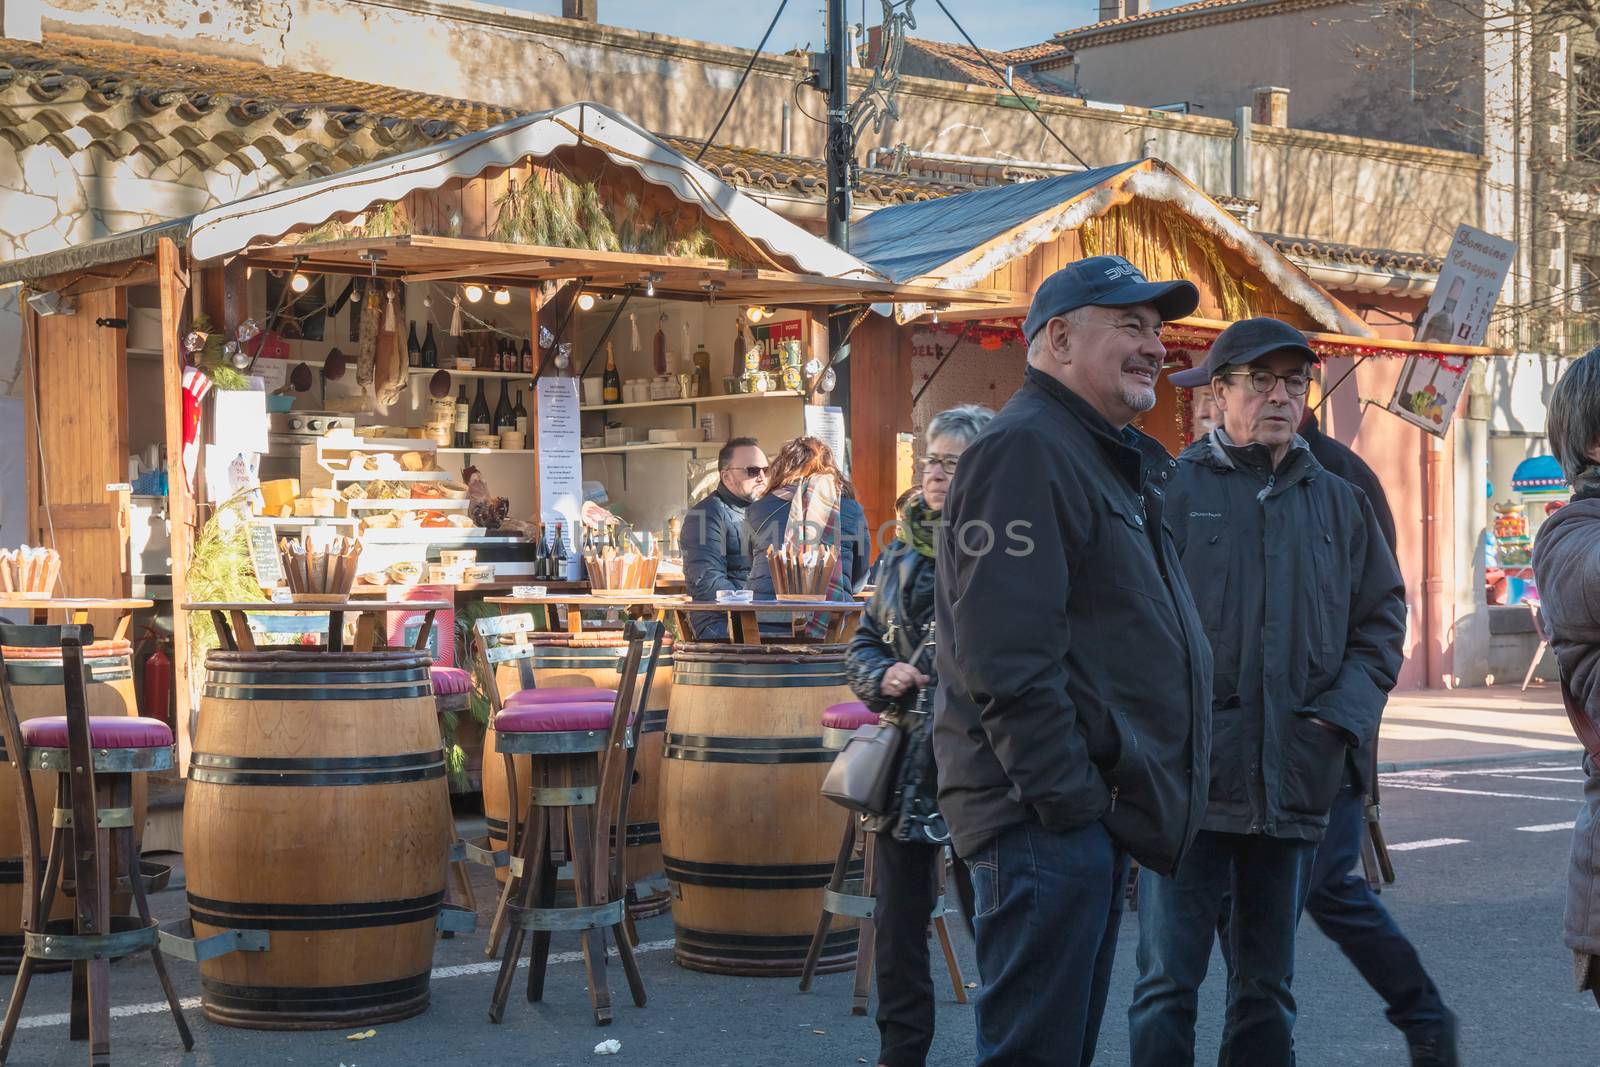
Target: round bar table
[[318, 810], [748, 843]]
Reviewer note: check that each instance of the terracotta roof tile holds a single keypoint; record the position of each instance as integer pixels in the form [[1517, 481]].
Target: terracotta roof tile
[[973, 70], [1033, 53], [1379, 258], [1178, 17]]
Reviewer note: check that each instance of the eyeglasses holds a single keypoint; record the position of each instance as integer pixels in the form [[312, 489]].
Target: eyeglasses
[[1264, 381], [750, 472], [944, 463]]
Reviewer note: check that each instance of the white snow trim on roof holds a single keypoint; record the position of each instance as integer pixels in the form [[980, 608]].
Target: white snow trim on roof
[[1161, 185], [231, 228]]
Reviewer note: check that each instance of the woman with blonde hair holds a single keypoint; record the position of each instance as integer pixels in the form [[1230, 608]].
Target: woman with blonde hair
[[810, 504]]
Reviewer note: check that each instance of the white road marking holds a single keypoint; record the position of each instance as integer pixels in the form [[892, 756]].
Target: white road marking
[[1543, 828], [439, 973], [1475, 792], [1527, 778], [1432, 842]]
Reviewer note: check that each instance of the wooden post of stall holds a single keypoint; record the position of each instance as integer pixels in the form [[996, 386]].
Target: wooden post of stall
[[173, 283], [880, 409]]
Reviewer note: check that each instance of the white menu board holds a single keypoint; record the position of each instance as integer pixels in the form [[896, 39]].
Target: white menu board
[[560, 462], [827, 424]]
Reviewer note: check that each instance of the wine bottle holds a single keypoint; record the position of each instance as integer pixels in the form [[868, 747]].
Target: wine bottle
[[520, 413], [430, 350], [413, 350], [541, 566], [503, 418], [611, 383], [508, 355], [740, 346], [559, 557], [462, 439], [702, 371], [480, 422], [526, 363]]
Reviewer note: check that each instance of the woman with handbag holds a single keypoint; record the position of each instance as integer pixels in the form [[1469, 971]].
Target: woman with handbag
[[1566, 565], [889, 665]]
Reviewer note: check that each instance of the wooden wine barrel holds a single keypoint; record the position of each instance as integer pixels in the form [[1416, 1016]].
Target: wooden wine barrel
[[317, 810], [35, 676], [748, 842], [591, 659]]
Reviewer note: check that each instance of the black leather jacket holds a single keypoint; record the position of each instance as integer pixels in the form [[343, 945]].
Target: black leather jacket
[[891, 631]]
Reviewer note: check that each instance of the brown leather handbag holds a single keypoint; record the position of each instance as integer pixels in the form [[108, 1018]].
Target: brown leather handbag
[[863, 773]]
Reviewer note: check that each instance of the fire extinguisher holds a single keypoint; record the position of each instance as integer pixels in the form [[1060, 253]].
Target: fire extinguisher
[[157, 678]]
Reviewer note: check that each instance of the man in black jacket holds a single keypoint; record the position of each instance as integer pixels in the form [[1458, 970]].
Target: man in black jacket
[[1305, 612], [716, 545], [1071, 721], [1341, 903]]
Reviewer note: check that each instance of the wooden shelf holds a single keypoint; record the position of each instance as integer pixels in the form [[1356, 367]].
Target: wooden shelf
[[664, 446], [486, 451], [691, 402], [417, 372]]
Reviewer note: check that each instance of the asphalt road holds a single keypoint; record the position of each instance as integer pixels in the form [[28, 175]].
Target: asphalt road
[[1480, 892]]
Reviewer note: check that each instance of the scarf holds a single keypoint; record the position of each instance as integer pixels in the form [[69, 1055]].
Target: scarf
[[919, 526], [813, 524], [1586, 486]]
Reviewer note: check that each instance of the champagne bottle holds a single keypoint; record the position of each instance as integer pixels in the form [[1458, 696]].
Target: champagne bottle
[[503, 418], [462, 440], [611, 383], [480, 421], [430, 350], [413, 349], [520, 414]]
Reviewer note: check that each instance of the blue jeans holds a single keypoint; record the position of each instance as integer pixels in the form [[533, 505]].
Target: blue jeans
[[1267, 878], [1352, 916], [1048, 908]]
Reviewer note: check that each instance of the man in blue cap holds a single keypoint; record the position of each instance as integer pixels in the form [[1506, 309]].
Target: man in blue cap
[[1071, 721], [1305, 612]]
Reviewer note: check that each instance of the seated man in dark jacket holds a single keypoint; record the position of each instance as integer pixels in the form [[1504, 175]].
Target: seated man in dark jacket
[[1305, 611], [1071, 719], [716, 547]]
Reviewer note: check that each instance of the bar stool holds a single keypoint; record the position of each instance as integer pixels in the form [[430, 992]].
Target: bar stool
[[94, 826], [579, 759], [838, 723]]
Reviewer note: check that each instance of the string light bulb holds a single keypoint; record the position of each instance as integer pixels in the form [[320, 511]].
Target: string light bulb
[[299, 282], [502, 295], [473, 292], [585, 301], [755, 313]]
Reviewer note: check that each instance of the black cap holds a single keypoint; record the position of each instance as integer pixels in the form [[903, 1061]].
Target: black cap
[[1106, 281], [1245, 342]]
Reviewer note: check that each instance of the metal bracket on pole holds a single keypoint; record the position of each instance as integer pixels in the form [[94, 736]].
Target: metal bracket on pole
[[200, 949]]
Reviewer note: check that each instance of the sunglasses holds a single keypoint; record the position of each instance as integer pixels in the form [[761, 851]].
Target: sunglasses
[[750, 472]]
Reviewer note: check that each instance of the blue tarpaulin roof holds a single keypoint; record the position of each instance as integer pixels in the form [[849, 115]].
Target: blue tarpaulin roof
[[909, 240]]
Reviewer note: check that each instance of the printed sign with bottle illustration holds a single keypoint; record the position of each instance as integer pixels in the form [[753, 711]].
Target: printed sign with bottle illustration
[[1458, 314]]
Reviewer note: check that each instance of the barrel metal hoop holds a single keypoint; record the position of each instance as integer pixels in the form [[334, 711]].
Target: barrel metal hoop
[[467, 852], [640, 833], [347, 915], [50, 673], [318, 771], [105, 818], [594, 917], [296, 1000], [759, 675], [760, 946], [243, 692], [565, 797], [201, 949], [398, 761], [555, 743], [136, 936], [106, 760], [219, 676], [775, 876], [851, 904], [653, 721], [707, 748]]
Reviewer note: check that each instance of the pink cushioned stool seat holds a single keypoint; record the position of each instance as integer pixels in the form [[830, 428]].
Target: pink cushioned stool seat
[[450, 681], [553, 718], [848, 716], [562, 694], [105, 731]]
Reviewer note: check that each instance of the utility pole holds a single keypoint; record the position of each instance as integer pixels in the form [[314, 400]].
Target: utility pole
[[834, 80]]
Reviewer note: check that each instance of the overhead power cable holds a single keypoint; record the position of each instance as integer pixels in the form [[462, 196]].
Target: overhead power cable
[[737, 89]]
